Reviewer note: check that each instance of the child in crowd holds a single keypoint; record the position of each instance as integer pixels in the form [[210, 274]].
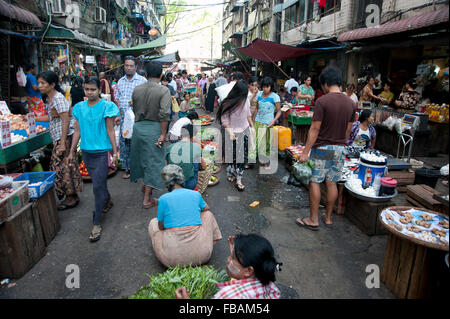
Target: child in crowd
[[175, 131], [185, 106]]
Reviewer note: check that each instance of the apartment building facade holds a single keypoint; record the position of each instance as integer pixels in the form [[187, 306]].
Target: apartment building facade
[[307, 23]]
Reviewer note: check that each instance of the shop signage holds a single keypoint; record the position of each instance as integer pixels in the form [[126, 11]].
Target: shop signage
[[4, 108], [31, 125], [90, 59], [5, 130]]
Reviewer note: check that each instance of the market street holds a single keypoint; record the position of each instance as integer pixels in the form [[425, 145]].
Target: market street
[[329, 263]]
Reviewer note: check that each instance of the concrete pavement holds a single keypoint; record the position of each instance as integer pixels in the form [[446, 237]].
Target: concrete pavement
[[329, 263]]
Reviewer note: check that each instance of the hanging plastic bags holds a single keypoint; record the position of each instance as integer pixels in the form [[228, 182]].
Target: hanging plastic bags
[[21, 77], [128, 122]]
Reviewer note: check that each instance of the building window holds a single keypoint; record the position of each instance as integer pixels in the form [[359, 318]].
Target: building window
[[332, 6], [265, 31], [291, 17]]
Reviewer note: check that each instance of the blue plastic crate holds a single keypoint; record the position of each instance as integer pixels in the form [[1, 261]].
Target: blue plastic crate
[[43, 124], [46, 181]]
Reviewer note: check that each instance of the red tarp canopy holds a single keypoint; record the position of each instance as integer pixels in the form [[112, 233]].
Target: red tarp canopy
[[418, 22], [19, 14], [268, 51]]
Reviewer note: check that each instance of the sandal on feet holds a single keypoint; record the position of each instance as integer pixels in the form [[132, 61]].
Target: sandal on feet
[[239, 187], [108, 206], [153, 202], [95, 236], [301, 222], [326, 225], [126, 175], [231, 179], [64, 206]]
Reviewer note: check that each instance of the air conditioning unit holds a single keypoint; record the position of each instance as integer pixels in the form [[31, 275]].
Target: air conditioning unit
[[57, 7], [100, 15]]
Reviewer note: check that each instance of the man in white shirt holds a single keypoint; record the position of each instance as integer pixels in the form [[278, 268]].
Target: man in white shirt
[[171, 81], [291, 83]]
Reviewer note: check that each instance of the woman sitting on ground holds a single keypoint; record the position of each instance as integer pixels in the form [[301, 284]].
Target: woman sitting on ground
[[363, 134], [184, 231], [252, 265], [187, 155]]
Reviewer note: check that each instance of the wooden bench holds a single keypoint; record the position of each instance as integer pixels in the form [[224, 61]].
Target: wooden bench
[[421, 196], [404, 178]]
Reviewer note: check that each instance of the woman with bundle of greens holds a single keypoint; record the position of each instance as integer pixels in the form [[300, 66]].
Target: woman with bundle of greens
[[252, 264]]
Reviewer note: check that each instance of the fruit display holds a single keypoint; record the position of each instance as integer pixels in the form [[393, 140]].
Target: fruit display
[[83, 169], [213, 180], [207, 134], [437, 113]]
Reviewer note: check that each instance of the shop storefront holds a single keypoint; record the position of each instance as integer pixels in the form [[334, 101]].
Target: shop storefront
[[414, 48]]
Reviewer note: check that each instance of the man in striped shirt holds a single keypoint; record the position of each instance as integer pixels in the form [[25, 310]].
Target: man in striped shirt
[[125, 88]]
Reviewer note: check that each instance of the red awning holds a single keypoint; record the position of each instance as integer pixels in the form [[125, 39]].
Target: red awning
[[413, 23], [268, 51], [19, 14]]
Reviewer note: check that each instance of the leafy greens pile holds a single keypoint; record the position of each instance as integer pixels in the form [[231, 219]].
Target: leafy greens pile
[[200, 281]]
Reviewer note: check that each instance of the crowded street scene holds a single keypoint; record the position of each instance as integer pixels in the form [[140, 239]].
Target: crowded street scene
[[224, 149]]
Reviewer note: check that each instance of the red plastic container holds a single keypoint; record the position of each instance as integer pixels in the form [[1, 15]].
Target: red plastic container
[[388, 186]]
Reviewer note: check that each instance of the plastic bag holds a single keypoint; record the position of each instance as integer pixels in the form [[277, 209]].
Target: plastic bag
[[175, 106], [21, 77], [303, 171], [222, 91], [444, 170], [128, 122]]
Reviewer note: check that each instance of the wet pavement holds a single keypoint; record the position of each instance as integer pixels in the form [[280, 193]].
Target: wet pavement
[[330, 263]]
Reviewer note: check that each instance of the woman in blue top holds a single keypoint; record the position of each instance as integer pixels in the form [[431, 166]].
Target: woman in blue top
[[264, 118], [95, 125], [184, 231]]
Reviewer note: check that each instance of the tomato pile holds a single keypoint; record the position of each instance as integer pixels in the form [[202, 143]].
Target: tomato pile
[[83, 169]]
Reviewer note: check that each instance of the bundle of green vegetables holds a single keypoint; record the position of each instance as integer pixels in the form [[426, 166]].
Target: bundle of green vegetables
[[200, 281], [207, 134]]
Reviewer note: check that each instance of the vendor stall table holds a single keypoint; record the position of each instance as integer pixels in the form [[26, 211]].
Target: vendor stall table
[[365, 214], [426, 143], [16, 151], [300, 128], [413, 268]]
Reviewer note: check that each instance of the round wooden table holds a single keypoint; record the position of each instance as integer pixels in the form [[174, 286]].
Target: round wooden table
[[414, 268]]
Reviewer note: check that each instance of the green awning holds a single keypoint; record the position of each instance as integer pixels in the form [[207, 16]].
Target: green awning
[[233, 49], [55, 32], [142, 48]]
